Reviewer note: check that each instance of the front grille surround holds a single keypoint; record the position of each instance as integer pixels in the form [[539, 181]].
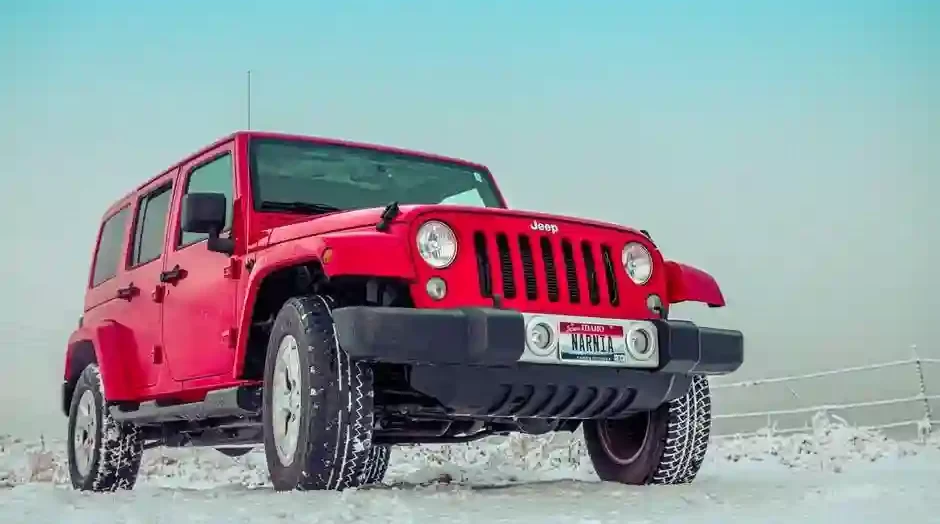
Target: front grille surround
[[547, 267]]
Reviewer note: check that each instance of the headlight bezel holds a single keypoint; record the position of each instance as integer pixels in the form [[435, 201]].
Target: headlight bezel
[[629, 251], [420, 242]]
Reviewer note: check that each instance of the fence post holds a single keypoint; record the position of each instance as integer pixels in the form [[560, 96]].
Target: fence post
[[926, 427]]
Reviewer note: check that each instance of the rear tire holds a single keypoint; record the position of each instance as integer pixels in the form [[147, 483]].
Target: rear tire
[[317, 412], [103, 454], [663, 446], [378, 464], [234, 452]]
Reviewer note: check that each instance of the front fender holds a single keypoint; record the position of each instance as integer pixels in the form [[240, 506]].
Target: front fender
[[688, 284], [364, 252], [353, 252], [369, 253]]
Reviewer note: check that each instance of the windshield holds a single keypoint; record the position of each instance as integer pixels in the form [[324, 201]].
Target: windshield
[[309, 177]]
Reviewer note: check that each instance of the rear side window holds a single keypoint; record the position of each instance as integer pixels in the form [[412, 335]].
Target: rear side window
[[108, 255], [151, 226], [212, 177]]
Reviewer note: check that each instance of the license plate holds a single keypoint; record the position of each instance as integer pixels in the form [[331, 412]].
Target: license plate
[[593, 342]]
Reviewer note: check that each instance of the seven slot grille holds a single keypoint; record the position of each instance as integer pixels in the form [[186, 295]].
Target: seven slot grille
[[541, 266]]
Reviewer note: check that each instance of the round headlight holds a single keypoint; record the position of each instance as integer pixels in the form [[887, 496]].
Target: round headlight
[[437, 244], [637, 262]]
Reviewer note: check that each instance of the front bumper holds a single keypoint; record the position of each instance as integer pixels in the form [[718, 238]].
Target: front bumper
[[476, 362], [496, 338]]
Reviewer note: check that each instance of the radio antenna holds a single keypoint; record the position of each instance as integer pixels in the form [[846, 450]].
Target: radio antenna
[[248, 99]]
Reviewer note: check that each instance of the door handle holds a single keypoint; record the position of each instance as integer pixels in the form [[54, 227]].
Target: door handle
[[128, 292], [173, 276]]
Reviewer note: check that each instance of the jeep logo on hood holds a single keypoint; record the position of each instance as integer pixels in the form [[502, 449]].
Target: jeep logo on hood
[[543, 226]]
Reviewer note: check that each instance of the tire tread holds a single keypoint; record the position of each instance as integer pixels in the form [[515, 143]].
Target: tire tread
[[347, 397], [116, 461], [687, 435]]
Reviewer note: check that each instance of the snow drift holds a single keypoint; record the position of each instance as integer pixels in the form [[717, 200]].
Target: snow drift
[[830, 446], [861, 476]]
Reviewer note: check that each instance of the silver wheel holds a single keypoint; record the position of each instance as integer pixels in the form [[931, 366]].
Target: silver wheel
[[86, 425], [285, 396]]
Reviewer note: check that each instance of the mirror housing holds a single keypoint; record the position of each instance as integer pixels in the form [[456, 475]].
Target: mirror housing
[[205, 213]]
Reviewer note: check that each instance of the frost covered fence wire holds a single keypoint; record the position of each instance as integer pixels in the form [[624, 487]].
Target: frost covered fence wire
[[924, 424]]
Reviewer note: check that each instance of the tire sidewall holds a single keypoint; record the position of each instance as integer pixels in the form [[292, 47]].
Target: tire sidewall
[[286, 324], [88, 381], [647, 459], [676, 442]]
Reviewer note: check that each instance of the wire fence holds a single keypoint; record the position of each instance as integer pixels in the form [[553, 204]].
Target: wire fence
[[923, 424]]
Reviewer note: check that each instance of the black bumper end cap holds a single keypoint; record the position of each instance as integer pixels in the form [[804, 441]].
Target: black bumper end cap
[[481, 336], [690, 349]]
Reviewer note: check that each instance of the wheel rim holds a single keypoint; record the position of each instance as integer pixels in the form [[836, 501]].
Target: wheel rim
[[86, 425], [285, 396], [624, 439]]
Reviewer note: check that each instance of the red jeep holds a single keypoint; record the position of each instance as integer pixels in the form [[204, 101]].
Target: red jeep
[[329, 300]]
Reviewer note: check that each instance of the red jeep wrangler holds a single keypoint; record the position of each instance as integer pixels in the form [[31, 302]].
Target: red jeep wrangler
[[329, 300]]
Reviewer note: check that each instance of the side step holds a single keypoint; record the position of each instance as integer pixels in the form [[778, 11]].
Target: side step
[[241, 401]]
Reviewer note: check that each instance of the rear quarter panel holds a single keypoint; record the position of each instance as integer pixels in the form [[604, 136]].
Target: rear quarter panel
[[105, 338], [99, 332]]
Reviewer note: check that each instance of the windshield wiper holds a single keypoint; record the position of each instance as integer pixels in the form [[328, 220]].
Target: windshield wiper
[[302, 207], [388, 214]]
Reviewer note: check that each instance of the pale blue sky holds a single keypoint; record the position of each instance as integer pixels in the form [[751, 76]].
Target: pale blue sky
[[783, 146]]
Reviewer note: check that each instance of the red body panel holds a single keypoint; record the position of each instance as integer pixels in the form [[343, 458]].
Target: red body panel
[[689, 284], [198, 310], [179, 340], [120, 375]]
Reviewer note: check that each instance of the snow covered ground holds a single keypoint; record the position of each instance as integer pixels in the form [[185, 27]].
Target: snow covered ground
[[835, 472]]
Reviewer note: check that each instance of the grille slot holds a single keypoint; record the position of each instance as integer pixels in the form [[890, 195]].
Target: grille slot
[[483, 265], [528, 268], [594, 291], [571, 272], [505, 266], [551, 277], [613, 291]]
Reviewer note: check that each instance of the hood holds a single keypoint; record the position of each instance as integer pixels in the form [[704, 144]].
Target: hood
[[294, 226], [537, 217], [298, 226]]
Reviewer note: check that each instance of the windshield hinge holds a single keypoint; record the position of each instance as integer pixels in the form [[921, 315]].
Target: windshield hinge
[[233, 269]]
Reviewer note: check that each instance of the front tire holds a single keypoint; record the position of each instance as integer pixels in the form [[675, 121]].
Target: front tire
[[663, 446], [317, 403], [103, 454]]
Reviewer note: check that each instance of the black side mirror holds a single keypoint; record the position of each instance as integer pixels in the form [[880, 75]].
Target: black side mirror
[[205, 213]]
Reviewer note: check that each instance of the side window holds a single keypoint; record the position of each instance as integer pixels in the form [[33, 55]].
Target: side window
[[108, 256], [213, 177], [151, 226]]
